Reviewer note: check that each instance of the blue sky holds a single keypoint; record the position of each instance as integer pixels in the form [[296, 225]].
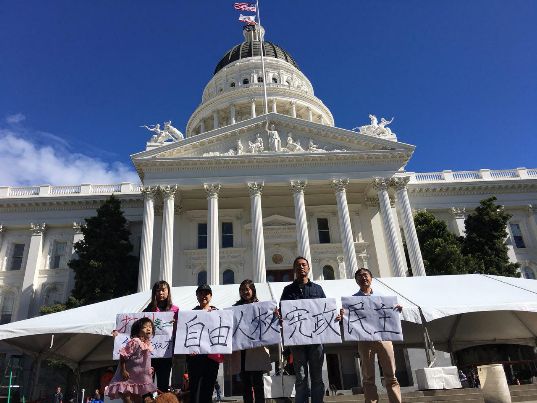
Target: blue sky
[[78, 78]]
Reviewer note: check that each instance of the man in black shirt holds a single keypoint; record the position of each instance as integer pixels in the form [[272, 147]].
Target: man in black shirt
[[307, 356]]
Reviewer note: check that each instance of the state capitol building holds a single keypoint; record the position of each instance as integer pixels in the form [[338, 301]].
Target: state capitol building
[[250, 186]]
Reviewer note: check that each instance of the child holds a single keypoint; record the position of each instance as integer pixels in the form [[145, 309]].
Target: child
[[133, 377]]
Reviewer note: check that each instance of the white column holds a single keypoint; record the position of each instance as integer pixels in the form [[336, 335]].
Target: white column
[[532, 218], [310, 114], [252, 107], [215, 120], [459, 215], [345, 226], [202, 126], [166, 248], [146, 247], [390, 230], [302, 235], [232, 113], [293, 109], [1, 235], [274, 105], [341, 267], [258, 239], [30, 270], [213, 234], [412, 243]]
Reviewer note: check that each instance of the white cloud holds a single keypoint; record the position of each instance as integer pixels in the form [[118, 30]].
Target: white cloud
[[25, 161], [16, 118]]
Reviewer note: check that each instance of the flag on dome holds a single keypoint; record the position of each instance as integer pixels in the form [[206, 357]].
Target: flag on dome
[[245, 7], [248, 19]]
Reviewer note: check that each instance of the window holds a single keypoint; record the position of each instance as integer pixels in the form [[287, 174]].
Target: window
[[17, 255], [324, 231], [232, 85], [528, 273], [58, 255], [259, 79], [228, 277], [202, 277], [328, 273], [8, 301], [517, 236], [275, 80], [202, 235], [246, 81], [227, 235]]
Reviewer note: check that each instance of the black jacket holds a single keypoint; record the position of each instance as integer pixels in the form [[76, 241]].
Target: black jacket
[[311, 291]]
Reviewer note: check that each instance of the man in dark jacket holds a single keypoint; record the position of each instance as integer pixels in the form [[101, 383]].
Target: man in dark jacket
[[311, 355]]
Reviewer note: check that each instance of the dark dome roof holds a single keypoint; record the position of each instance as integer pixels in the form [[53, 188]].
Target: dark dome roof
[[244, 50]]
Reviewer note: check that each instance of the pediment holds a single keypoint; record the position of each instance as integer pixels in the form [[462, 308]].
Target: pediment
[[273, 221], [271, 135]]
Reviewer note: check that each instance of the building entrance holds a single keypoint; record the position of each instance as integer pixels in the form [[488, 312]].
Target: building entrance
[[280, 275]]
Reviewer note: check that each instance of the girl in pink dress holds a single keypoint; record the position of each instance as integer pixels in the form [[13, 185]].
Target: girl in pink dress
[[133, 377]]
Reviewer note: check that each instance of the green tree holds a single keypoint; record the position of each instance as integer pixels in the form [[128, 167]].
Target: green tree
[[104, 267], [440, 249], [486, 231]]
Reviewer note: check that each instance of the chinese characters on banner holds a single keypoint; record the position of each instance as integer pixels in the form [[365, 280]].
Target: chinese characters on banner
[[204, 332], [371, 318], [310, 321], [161, 341], [255, 325]]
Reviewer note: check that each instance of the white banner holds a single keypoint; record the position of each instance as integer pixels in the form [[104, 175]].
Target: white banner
[[162, 341], [371, 318], [310, 321], [204, 332], [255, 325]]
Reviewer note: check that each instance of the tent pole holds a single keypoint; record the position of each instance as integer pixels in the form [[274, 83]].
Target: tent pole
[[280, 349]]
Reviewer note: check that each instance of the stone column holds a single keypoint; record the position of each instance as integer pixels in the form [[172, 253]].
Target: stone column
[[412, 243], [202, 126], [2, 229], [232, 113], [310, 114], [146, 247], [166, 248], [252, 107], [215, 120], [532, 218], [213, 234], [258, 239], [345, 226], [30, 270], [390, 230], [459, 215], [341, 267], [293, 109], [302, 235], [274, 106]]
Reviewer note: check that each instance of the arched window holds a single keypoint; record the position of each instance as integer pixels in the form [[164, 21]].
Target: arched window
[[275, 80], [228, 277], [328, 273], [246, 81], [202, 277], [259, 79], [527, 272], [232, 84], [6, 311]]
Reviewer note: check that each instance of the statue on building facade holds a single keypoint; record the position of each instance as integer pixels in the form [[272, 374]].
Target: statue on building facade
[[377, 129], [257, 146], [162, 135], [293, 146], [172, 131], [274, 143]]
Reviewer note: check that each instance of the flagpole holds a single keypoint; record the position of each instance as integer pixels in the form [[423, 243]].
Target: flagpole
[[261, 40]]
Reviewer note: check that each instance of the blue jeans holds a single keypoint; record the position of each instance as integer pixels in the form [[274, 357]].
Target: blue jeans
[[308, 359]]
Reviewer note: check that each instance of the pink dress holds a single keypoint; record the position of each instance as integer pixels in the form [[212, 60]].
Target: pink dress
[[137, 355]]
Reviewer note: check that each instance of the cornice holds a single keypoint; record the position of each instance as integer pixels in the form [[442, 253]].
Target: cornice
[[471, 188]]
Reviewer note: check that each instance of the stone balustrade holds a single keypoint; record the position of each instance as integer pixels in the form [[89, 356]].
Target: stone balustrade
[[480, 175], [68, 190]]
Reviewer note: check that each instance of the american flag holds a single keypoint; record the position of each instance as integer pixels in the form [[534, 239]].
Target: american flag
[[245, 7]]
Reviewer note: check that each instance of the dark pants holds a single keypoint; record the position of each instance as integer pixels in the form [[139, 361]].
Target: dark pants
[[163, 367], [252, 381], [308, 360], [202, 372]]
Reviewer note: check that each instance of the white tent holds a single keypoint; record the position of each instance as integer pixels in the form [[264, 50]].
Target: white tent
[[459, 311]]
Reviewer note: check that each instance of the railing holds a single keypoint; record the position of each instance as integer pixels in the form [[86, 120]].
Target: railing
[[105, 188], [509, 173], [429, 176], [465, 175], [532, 172], [24, 191], [481, 175], [64, 190]]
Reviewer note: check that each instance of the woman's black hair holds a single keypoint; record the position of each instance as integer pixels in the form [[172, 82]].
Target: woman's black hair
[[250, 284], [153, 304], [139, 324]]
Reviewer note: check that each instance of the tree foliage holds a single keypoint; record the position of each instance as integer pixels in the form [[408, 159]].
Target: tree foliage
[[486, 231], [441, 250], [104, 267]]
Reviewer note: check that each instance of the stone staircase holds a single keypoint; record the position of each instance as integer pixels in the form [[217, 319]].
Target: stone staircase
[[519, 393]]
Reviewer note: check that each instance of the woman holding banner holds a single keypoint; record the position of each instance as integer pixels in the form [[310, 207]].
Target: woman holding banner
[[252, 363], [161, 301], [203, 368]]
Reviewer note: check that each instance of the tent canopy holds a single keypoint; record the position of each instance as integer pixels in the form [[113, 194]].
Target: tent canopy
[[459, 311]]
